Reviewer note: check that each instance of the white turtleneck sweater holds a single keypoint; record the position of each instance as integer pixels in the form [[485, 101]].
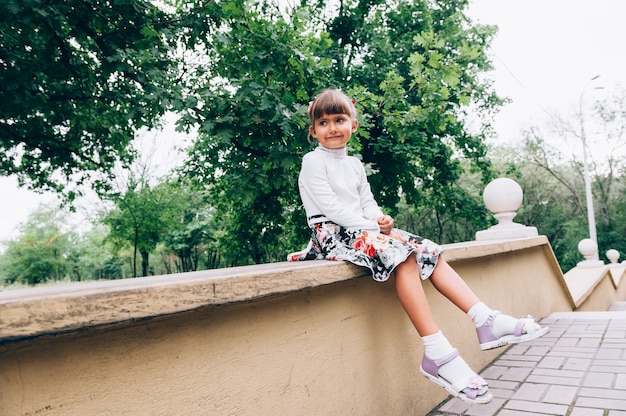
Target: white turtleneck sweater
[[335, 185]]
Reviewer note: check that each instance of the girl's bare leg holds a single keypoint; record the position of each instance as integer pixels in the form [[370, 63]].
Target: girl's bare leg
[[412, 297], [448, 282]]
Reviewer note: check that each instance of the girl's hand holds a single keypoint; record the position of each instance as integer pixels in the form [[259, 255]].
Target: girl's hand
[[395, 235], [385, 223]]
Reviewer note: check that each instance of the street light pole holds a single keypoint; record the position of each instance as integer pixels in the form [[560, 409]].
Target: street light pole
[[591, 218]]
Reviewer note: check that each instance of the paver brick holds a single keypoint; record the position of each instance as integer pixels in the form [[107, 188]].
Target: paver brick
[[572, 354], [587, 412], [559, 373], [601, 403], [551, 362], [545, 408], [594, 379], [540, 351], [508, 412], [455, 406], [602, 393], [516, 374], [566, 349], [493, 372], [580, 364], [530, 391], [517, 363], [562, 381], [567, 342], [501, 393], [503, 384], [561, 395], [589, 342], [615, 333], [608, 369], [490, 408], [521, 357]]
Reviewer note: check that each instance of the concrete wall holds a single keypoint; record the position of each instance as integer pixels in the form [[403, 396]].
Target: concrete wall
[[595, 287], [310, 338]]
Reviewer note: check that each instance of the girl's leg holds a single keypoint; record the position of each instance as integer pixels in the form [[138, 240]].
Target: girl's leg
[[441, 363], [448, 282], [494, 329], [413, 299]]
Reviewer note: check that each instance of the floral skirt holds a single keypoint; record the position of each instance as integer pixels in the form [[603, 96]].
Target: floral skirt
[[378, 252]]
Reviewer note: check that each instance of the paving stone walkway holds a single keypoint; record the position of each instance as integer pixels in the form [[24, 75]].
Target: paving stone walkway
[[577, 369]]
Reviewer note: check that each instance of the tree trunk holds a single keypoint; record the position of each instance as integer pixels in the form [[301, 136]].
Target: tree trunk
[[144, 262]]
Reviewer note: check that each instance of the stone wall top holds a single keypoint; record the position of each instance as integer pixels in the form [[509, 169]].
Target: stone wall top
[[49, 309]]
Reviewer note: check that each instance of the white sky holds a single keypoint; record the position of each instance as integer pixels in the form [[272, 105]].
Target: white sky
[[544, 54], [546, 51]]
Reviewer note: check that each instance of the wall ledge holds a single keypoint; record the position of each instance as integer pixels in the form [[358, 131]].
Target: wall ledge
[[582, 281], [32, 312]]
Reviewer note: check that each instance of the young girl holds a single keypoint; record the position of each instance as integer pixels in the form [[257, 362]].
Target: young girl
[[347, 224]]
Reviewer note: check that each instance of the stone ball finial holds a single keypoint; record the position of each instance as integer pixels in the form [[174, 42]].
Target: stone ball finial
[[587, 247], [612, 255], [503, 196]]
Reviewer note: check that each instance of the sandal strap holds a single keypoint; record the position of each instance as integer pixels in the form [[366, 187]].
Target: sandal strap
[[441, 361], [485, 332], [432, 366], [471, 388], [521, 323]]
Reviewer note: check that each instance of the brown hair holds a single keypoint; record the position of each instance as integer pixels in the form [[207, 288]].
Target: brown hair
[[331, 102]]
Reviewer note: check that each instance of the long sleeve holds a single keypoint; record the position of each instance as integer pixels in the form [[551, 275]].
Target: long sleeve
[[335, 186]]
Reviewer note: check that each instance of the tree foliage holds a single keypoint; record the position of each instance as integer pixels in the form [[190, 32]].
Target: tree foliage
[[250, 119], [42, 252], [78, 78], [189, 238], [415, 75], [141, 216], [412, 66]]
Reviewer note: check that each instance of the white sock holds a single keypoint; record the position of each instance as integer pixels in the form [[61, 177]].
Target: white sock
[[479, 313], [437, 346], [502, 324]]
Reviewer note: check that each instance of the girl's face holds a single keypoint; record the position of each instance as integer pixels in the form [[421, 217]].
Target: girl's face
[[333, 131]]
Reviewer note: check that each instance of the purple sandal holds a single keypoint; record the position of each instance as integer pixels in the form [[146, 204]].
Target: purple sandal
[[468, 391], [488, 340]]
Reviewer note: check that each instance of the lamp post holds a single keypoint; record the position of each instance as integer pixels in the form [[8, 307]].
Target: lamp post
[[591, 219]]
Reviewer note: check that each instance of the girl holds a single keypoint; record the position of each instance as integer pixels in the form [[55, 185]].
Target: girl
[[348, 224]]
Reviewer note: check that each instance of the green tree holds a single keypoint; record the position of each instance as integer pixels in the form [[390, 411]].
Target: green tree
[[413, 67], [78, 78], [94, 256], [41, 253], [138, 220], [250, 116], [188, 238]]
